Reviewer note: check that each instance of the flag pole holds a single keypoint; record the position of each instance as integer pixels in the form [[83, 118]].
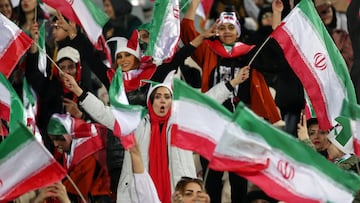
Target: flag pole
[[187, 2], [76, 188], [257, 52], [47, 56]]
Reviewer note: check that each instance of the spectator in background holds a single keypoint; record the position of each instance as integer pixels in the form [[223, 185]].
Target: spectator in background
[[122, 23], [7, 9]]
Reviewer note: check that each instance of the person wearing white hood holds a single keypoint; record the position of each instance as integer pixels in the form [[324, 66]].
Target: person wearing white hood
[[166, 164]]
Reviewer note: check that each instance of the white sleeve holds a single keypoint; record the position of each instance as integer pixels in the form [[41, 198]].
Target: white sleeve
[[219, 92], [145, 189], [98, 111]]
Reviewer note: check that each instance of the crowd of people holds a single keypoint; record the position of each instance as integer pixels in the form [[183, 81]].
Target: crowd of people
[[76, 82]]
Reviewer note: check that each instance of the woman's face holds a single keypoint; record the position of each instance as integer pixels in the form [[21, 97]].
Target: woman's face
[[318, 137], [59, 34], [191, 191], [227, 33], [127, 61], [326, 14], [28, 5], [162, 101], [5, 8], [109, 10], [267, 19]]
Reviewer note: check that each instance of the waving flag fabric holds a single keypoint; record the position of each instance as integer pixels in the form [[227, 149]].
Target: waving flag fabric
[[13, 44], [196, 134], [127, 117], [11, 107], [86, 137], [42, 53], [317, 62], [164, 31], [294, 174], [352, 112], [34, 165]]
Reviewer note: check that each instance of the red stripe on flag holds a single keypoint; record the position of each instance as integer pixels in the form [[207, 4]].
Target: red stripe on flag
[[223, 163], [4, 111], [65, 8], [275, 190], [307, 78], [50, 174], [13, 53], [356, 146], [127, 141], [188, 139]]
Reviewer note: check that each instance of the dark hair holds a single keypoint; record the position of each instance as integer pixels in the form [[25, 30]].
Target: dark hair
[[231, 8], [311, 121], [152, 95], [40, 15], [263, 10], [184, 181]]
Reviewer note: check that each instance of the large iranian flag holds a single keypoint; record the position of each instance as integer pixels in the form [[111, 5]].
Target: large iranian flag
[[164, 31], [13, 44], [197, 120], [34, 165], [317, 62], [295, 172], [127, 116], [11, 107]]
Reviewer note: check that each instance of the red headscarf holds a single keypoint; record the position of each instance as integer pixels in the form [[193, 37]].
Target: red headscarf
[[158, 155]]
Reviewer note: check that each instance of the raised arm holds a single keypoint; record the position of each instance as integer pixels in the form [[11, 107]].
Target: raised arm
[[191, 12], [278, 7]]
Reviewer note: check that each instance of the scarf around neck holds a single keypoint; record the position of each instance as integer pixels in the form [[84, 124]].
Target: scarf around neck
[[238, 49], [158, 155]]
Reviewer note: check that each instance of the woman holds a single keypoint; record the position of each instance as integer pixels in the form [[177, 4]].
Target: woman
[[122, 23], [187, 189], [28, 12], [7, 9], [153, 136], [221, 58]]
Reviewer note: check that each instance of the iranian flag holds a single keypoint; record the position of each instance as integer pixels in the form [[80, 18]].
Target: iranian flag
[[127, 117], [35, 166], [202, 10], [11, 107], [352, 112], [86, 137], [208, 120], [164, 31], [317, 62], [42, 50], [295, 172], [13, 44]]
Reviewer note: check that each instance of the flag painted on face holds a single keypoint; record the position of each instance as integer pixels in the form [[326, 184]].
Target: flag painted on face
[[317, 62], [127, 116], [352, 111], [35, 166], [164, 31], [86, 137], [11, 107], [13, 44], [294, 174], [196, 134]]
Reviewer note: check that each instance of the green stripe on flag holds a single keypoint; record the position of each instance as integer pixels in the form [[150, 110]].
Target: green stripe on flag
[[160, 8], [96, 12], [182, 91], [17, 113], [18, 138], [307, 8], [293, 148], [351, 110]]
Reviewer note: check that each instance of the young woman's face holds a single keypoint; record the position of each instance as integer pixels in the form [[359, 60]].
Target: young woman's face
[[68, 66], [59, 34], [162, 101], [28, 5], [127, 61], [326, 15], [108, 9], [267, 19], [191, 191], [318, 137], [5, 8], [227, 33], [61, 143]]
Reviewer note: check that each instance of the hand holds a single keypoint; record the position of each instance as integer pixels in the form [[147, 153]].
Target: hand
[[177, 197], [71, 84], [302, 128], [241, 76], [277, 6], [72, 108], [202, 197], [211, 32], [34, 33], [70, 27], [56, 190]]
